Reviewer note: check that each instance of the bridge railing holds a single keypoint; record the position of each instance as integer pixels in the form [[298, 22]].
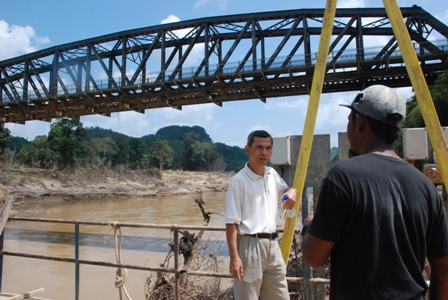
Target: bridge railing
[[77, 241], [280, 65]]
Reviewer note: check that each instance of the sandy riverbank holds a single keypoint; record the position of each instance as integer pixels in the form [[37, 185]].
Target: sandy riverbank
[[32, 184]]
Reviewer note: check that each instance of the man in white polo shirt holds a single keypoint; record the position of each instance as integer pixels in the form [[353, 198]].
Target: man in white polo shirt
[[252, 201]]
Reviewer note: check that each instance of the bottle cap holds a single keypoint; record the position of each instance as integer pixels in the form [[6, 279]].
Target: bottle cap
[[285, 197]]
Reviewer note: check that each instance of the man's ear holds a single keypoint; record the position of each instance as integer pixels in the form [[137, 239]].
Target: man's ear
[[247, 148], [361, 123]]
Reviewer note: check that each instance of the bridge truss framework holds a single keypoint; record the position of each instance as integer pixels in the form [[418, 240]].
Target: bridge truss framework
[[214, 60]]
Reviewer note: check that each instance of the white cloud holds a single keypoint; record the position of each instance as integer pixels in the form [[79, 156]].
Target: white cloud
[[170, 19], [30, 130], [300, 103], [196, 54], [351, 3], [130, 123], [202, 3], [17, 40], [189, 115], [259, 126]]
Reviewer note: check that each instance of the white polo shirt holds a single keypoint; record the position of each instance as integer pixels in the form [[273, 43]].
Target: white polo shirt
[[252, 200]]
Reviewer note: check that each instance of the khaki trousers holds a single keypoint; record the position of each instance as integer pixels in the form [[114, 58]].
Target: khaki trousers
[[264, 271]]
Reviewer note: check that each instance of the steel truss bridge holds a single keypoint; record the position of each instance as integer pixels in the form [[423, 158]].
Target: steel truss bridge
[[214, 60]]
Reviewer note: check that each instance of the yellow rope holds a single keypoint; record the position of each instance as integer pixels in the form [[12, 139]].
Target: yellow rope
[[122, 273]]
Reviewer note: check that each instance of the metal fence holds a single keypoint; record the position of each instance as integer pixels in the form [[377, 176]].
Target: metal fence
[[176, 270]]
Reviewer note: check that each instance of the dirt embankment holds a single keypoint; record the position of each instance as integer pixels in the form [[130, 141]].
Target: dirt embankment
[[30, 184]]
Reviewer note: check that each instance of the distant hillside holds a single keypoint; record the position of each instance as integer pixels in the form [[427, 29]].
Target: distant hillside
[[234, 157], [334, 152], [98, 132]]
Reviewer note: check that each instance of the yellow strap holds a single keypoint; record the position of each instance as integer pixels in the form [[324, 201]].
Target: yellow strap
[[310, 122]]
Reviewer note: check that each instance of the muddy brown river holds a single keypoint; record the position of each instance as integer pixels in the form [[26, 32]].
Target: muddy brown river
[[141, 246]]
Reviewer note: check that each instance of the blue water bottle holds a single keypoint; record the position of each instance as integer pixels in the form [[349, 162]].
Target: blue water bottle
[[289, 212]]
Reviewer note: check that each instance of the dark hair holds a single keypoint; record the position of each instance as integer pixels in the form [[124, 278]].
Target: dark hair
[[388, 133], [258, 133]]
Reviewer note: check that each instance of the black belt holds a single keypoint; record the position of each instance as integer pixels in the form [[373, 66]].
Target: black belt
[[271, 236]]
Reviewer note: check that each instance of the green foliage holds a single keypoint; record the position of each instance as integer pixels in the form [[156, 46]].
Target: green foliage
[[414, 118], [41, 155], [188, 163], [203, 155], [122, 150], [439, 93], [5, 137], [69, 144], [334, 155], [97, 132], [137, 151], [234, 157], [66, 138], [104, 149], [161, 154], [176, 132], [23, 157], [17, 143], [197, 155]]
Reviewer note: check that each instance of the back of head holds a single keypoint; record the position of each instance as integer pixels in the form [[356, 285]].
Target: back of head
[[381, 103]]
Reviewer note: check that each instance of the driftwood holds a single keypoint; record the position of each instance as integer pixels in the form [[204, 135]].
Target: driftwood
[[195, 245], [163, 287]]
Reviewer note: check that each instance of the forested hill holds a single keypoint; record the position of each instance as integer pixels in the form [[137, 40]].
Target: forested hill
[[233, 157], [172, 147]]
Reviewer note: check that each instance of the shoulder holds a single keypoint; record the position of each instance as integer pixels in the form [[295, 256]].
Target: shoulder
[[367, 162], [241, 176]]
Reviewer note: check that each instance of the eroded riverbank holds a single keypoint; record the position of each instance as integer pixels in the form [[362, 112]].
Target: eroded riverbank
[[39, 184]]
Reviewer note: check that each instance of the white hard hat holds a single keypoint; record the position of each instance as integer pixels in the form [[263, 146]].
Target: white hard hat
[[380, 103]]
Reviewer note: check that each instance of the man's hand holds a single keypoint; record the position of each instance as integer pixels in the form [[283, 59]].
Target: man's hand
[[292, 197], [236, 268]]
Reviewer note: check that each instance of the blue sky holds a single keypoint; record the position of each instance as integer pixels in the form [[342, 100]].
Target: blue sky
[[27, 26]]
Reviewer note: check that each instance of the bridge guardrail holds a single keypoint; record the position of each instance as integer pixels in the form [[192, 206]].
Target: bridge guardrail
[[298, 61], [176, 270]]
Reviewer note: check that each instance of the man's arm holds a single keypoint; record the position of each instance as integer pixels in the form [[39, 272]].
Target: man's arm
[[235, 265], [314, 250], [438, 287]]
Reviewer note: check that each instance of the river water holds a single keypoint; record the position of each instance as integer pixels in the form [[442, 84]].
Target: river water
[[141, 246]]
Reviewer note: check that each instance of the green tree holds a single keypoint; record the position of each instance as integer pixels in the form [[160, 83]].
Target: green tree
[[105, 148], [18, 143], [23, 157], [162, 153], [235, 157], [439, 95], [138, 149], [197, 156], [202, 156], [5, 137], [121, 153], [66, 138], [414, 118], [190, 138], [41, 154]]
